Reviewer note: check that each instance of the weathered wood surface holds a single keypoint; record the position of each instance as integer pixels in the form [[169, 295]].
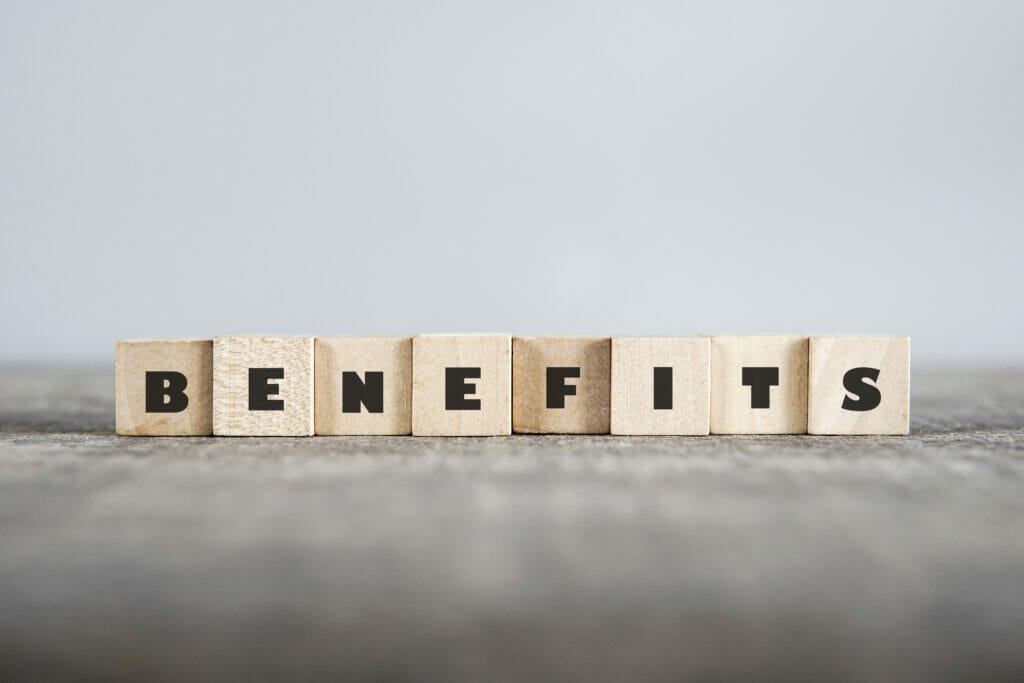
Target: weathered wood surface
[[597, 558]]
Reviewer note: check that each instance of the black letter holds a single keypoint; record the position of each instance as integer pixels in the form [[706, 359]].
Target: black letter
[[557, 388], [260, 390], [760, 381], [456, 387], [370, 393], [169, 385], [868, 395], [663, 388]]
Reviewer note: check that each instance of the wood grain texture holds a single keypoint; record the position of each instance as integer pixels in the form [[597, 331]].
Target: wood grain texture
[[731, 411], [585, 412], [632, 404], [191, 357], [831, 357], [391, 356], [232, 359], [492, 355]]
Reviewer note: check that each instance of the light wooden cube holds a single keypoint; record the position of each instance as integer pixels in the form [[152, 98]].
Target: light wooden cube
[[263, 386], [363, 385], [164, 387], [859, 385], [561, 385], [759, 385], [462, 385], [661, 385]]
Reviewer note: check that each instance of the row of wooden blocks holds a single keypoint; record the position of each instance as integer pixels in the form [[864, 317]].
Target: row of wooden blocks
[[490, 385]]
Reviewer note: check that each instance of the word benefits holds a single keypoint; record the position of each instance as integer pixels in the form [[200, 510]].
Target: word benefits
[[494, 385]]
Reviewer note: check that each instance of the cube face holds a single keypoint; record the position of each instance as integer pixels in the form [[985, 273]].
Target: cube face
[[759, 385], [164, 387], [263, 386], [859, 385], [561, 385], [661, 386], [363, 385], [462, 385]]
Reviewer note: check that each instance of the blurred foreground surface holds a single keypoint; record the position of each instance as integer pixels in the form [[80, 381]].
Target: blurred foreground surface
[[596, 558]]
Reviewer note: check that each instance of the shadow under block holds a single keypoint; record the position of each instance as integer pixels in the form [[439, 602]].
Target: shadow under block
[[363, 385], [263, 386], [859, 385], [164, 387], [561, 385], [759, 385], [462, 385], [661, 386]]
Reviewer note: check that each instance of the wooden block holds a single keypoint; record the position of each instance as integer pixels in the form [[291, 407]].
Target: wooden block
[[661, 385], [561, 385], [164, 387], [462, 385], [263, 386], [859, 385], [363, 385], [758, 385]]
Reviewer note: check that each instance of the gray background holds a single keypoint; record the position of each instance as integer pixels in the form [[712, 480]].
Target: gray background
[[177, 169]]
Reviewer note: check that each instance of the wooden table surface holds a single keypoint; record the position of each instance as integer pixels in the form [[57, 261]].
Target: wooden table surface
[[568, 558]]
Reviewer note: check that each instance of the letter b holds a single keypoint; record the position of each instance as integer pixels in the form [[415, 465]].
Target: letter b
[[165, 392]]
